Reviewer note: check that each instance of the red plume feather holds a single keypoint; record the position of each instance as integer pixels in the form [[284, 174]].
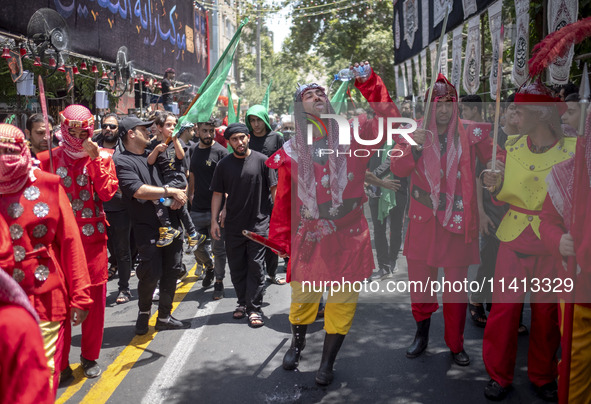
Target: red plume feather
[[557, 44]]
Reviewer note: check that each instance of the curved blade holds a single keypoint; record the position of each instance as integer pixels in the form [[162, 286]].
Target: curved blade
[[48, 136]]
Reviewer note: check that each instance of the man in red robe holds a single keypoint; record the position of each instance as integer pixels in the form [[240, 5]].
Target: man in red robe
[[88, 175], [443, 227], [49, 257], [565, 230], [325, 234]]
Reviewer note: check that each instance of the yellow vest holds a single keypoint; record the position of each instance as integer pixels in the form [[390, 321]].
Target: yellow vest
[[524, 184]]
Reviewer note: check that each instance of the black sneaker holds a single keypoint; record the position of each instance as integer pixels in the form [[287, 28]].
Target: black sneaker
[[218, 291], [141, 325], [547, 392], [171, 324], [91, 368], [495, 392], [208, 279], [66, 376]]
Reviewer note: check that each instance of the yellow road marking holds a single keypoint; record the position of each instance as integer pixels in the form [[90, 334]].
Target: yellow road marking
[[102, 390]]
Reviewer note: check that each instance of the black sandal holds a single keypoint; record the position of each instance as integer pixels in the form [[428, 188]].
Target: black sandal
[[239, 313], [478, 315], [255, 320]]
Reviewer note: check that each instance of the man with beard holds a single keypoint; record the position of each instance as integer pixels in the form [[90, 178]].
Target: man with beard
[[119, 231], [35, 133], [522, 254], [88, 175], [443, 226], [264, 140], [324, 230], [206, 156], [250, 187], [49, 257]]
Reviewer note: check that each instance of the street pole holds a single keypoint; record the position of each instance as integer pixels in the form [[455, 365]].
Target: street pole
[[258, 46]]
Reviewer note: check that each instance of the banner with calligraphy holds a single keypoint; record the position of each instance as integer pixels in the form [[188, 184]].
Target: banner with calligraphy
[[415, 64], [471, 76], [444, 52], [418, 23], [561, 13], [157, 33], [423, 86], [521, 51], [495, 21], [409, 76]]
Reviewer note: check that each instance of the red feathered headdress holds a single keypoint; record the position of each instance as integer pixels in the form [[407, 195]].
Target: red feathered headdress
[[557, 43]]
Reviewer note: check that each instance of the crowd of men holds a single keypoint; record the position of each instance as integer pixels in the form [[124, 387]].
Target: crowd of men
[[130, 193]]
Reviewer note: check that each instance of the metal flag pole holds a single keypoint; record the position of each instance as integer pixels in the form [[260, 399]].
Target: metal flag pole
[[584, 93]]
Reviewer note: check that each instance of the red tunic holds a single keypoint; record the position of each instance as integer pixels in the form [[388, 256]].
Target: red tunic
[[328, 249], [426, 238], [88, 183], [50, 263]]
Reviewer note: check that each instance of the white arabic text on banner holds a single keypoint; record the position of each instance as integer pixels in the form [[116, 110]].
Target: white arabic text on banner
[[470, 7], [495, 21], [471, 76], [410, 15], [456, 57], [521, 51], [409, 81], [396, 31], [440, 8], [561, 13], [423, 62]]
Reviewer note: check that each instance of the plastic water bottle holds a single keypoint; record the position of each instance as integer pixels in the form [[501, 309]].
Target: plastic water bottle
[[363, 70], [166, 201], [345, 75]]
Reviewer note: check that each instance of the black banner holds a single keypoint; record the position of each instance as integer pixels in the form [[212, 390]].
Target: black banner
[[157, 33], [409, 19]]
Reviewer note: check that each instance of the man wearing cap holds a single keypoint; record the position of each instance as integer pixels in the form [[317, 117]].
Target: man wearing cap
[[88, 175], [205, 158], [168, 88], [324, 230], [264, 140], [443, 226], [49, 262], [522, 254], [250, 187], [141, 183]]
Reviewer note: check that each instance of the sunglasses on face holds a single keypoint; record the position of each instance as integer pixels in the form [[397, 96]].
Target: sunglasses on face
[[110, 126]]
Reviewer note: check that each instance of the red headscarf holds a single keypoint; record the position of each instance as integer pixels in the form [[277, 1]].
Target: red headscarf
[[443, 90], [14, 167], [75, 116]]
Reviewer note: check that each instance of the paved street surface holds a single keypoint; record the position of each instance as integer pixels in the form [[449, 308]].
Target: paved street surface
[[221, 360]]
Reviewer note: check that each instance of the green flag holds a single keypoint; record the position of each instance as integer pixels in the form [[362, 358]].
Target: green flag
[[231, 111], [265, 102], [339, 99], [210, 89]]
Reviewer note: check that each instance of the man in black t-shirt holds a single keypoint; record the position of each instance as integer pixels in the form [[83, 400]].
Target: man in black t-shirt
[[205, 158], [250, 188], [168, 89], [140, 184], [264, 140]]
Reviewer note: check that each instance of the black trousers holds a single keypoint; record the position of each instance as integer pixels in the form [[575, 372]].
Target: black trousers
[[119, 233], [388, 254], [162, 264], [246, 261], [489, 248]]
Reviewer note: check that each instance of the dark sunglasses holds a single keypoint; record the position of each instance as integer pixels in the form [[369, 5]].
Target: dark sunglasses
[[110, 126]]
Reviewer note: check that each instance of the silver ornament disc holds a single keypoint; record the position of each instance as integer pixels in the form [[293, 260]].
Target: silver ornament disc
[[84, 195], [39, 231], [16, 231], [32, 193], [19, 253], [41, 273], [86, 213], [41, 209], [62, 172], [67, 180], [18, 275], [77, 204], [88, 230], [100, 227], [82, 180], [15, 210]]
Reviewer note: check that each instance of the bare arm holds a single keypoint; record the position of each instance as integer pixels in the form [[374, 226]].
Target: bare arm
[[273, 193], [154, 153], [150, 192], [191, 189], [216, 202], [180, 153]]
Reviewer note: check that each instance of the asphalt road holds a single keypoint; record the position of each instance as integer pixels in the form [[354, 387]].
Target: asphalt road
[[222, 360]]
